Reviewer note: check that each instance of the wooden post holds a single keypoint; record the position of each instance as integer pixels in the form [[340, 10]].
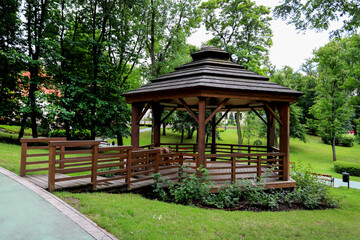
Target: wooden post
[[95, 150], [157, 111], [249, 158], [284, 112], [270, 141], [213, 139], [128, 169], [258, 167], [62, 157], [23, 159], [51, 176], [135, 125], [201, 132], [233, 170], [157, 160]]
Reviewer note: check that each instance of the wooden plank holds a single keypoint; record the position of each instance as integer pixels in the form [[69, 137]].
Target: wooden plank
[[86, 143], [33, 140]]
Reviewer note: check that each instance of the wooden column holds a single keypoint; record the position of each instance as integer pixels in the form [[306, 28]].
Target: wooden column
[[156, 111], [201, 132], [284, 112], [270, 141], [213, 139], [135, 123]]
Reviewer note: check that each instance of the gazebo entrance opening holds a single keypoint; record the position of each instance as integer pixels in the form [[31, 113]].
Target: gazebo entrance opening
[[211, 83]]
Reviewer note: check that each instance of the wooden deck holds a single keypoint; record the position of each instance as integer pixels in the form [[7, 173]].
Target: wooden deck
[[215, 175]]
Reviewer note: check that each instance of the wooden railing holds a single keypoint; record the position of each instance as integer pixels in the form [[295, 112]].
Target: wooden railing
[[35, 162], [86, 161]]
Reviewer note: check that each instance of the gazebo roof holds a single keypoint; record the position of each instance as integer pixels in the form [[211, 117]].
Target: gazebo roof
[[212, 74]]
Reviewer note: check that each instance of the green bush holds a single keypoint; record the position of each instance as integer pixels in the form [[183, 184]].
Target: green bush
[[347, 140], [195, 189], [257, 142], [309, 190], [352, 168], [74, 134]]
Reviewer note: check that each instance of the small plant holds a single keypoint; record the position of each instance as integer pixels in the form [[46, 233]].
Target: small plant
[[257, 142]]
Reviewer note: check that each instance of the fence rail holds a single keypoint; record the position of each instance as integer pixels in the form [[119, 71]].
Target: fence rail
[[86, 161]]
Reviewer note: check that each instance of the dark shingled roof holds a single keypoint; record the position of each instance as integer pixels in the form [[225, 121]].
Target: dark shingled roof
[[212, 69]]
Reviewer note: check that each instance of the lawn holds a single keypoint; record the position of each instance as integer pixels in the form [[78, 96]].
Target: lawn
[[130, 216]]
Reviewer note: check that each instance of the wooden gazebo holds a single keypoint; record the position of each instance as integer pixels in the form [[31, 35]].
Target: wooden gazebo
[[212, 83]]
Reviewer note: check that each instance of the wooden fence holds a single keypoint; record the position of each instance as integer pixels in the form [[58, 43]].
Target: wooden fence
[[116, 166], [35, 162]]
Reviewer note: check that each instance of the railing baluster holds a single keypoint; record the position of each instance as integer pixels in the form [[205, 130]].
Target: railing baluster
[[23, 159], [128, 168], [233, 170], [258, 167], [95, 150], [51, 176]]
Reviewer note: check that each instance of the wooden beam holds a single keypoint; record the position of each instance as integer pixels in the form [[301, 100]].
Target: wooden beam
[[171, 112], [135, 128], [189, 110], [273, 113], [216, 110], [222, 117], [262, 119], [201, 133], [284, 112], [143, 113]]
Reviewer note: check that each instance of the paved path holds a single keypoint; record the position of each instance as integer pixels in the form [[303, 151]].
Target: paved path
[[29, 212], [340, 183]]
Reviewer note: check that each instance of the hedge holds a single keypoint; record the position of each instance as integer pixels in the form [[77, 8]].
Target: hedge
[[352, 168], [74, 134]]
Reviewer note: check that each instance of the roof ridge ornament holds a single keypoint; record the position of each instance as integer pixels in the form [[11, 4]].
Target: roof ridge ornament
[[210, 52]]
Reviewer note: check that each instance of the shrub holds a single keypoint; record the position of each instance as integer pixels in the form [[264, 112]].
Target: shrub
[[309, 190], [257, 142], [74, 134], [347, 140], [352, 168]]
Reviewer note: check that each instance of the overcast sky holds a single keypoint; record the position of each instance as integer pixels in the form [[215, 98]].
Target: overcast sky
[[289, 47]]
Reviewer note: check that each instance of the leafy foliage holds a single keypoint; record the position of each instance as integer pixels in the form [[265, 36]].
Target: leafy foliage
[[241, 28], [317, 14], [349, 167]]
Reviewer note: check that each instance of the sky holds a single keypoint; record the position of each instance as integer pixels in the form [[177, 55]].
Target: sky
[[290, 47]]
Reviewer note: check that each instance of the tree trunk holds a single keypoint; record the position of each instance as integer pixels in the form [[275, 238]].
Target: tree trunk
[[238, 128], [22, 128], [333, 149], [164, 129], [182, 136], [119, 140]]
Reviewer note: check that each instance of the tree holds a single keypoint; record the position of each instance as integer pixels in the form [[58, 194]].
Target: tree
[[294, 80], [168, 23], [332, 109], [241, 28], [36, 27], [317, 14], [11, 60], [93, 64]]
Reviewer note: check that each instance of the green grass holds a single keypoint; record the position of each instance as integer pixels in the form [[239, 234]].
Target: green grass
[[319, 155], [130, 216], [15, 129]]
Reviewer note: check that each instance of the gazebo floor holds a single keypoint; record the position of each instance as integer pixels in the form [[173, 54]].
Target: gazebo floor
[[172, 173]]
